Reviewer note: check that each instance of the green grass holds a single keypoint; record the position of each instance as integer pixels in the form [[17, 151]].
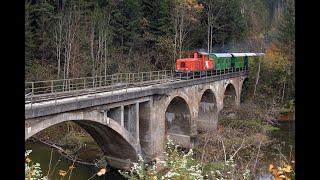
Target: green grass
[[79, 138], [249, 125]]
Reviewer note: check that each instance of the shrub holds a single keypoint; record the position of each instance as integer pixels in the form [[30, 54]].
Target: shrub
[[32, 170], [176, 166]]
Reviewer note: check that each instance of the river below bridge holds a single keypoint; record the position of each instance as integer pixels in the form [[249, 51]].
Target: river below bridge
[[41, 153]]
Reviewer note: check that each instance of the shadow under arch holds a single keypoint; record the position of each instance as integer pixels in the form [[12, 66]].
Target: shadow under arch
[[178, 121], [244, 90], [208, 111], [119, 147], [230, 95], [229, 102]]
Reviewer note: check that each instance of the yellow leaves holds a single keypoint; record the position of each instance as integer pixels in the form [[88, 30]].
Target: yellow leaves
[[191, 5], [287, 168], [150, 174], [271, 166], [220, 129], [274, 58], [279, 173], [261, 36], [102, 172], [32, 173], [62, 173], [273, 169], [145, 22]]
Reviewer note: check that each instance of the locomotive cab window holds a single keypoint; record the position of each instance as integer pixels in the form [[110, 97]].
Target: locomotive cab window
[[183, 64]]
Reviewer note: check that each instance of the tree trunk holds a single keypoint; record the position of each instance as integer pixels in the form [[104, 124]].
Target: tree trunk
[[42, 28], [59, 48], [92, 55], [257, 79], [208, 32], [105, 54], [284, 87], [175, 44], [211, 34]]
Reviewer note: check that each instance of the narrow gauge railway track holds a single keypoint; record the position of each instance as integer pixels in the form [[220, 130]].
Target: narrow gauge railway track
[[75, 93]]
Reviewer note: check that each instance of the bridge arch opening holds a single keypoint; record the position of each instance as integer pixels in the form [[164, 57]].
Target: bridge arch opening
[[244, 90], [230, 95], [115, 147], [178, 119], [229, 102], [208, 111]]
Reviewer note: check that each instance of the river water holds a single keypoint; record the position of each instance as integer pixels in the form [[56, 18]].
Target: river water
[[41, 154]]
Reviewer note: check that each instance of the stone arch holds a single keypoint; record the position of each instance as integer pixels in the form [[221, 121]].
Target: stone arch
[[208, 111], [178, 116], [115, 141], [178, 121], [244, 90], [230, 96]]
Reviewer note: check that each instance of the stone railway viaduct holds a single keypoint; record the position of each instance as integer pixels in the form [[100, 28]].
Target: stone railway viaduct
[[137, 121]]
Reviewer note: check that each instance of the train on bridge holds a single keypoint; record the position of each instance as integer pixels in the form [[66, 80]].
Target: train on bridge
[[202, 63]]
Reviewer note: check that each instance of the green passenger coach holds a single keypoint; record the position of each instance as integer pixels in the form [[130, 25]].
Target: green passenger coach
[[231, 60], [221, 60]]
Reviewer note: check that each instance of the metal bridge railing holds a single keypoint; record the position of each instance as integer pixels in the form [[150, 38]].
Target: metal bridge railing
[[64, 85], [57, 89]]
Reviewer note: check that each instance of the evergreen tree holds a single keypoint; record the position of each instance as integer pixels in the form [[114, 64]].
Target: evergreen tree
[[29, 34], [43, 12], [286, 29]]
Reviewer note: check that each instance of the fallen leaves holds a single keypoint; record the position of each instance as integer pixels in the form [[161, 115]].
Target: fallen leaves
[[62, 173], [102, 172]]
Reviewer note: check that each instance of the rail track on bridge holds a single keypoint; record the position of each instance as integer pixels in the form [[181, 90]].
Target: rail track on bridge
[[40, 91]]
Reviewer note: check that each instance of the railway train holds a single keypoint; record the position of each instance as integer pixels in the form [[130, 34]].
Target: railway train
[[201, 63]]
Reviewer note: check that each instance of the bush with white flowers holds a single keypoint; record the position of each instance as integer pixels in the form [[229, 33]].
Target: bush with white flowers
[[176, 165], [32, 170]]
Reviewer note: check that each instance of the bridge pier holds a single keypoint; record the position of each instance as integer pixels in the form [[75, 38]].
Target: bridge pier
[[145, 124], [137, 122], [122, 115], [128, 117]]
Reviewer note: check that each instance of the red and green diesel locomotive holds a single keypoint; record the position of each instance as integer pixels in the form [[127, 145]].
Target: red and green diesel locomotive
[[200, 63]]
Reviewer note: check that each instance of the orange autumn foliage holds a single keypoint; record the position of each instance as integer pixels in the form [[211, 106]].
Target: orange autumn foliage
[[274, 58], [280, 173]]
